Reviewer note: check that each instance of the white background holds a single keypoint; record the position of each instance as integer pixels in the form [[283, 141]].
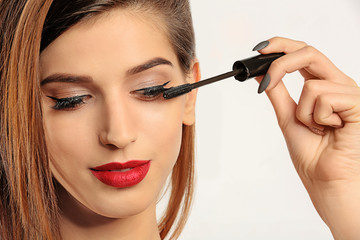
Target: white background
[[247, 187]]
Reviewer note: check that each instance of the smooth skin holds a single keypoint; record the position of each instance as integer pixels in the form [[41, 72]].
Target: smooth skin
[[322, 132], [113, 124]]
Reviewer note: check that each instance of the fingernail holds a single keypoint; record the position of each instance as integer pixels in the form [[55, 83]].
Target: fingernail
[[317, 131], [337, 126], [261, 45], [264, 83]]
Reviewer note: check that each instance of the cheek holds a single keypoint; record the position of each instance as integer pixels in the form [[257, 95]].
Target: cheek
[[162, 127], [161, 130], [68, 140], [64, 135], [162, 134]]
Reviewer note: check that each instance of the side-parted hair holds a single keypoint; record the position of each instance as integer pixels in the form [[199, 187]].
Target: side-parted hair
[[28, 201]]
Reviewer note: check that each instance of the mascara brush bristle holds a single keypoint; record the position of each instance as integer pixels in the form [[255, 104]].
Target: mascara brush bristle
[[177, 91]]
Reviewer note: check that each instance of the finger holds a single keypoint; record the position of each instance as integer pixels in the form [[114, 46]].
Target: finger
[[336, 109], [259, 78], [285, 45], [283, 105], [285, 110], [306, 104], [308, 58], [314, 64], [311, 91]]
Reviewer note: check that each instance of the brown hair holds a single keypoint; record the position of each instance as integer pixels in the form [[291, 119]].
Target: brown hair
[[28, 205]]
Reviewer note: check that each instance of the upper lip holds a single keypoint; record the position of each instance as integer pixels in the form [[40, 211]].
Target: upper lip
[[120, 166]]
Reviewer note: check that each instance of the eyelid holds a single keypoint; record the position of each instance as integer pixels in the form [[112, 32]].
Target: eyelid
[[153, 90], [68, 103], [66, 90]]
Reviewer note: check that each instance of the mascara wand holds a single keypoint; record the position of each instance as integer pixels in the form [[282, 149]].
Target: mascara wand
[[242, 70]]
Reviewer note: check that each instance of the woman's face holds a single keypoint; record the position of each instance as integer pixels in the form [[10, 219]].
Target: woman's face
[[93, 68]]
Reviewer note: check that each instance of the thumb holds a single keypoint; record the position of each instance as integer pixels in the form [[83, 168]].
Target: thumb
[[283, 104]]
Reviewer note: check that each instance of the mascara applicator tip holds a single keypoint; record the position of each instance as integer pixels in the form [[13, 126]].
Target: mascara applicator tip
[[177, 91]]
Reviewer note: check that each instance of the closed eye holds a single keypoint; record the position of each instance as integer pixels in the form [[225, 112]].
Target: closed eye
[[150, 93], [68, 103]]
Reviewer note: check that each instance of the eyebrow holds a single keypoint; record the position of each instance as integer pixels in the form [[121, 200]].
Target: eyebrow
[[69, 78], [149, 64]]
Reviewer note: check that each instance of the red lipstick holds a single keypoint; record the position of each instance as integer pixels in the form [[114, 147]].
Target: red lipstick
[[122, 175]]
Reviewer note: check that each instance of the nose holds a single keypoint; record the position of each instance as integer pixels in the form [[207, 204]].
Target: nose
[[118, 125]]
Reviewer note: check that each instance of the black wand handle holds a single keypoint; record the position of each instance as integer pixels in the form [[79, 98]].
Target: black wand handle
[[255, 66]]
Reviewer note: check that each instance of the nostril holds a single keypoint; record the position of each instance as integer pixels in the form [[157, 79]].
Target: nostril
[[111, 146], [114, 141], [105, 141]]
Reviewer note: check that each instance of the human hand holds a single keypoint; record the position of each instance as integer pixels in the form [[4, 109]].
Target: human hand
[[322, 131]]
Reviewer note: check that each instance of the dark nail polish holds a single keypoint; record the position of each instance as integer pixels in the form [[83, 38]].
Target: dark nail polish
[[261, 45], [264, 83]]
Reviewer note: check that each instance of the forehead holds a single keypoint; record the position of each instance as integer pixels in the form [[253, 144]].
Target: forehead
[[119, 38]]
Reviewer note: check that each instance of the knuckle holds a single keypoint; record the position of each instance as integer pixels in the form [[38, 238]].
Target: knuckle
[[322, 99], [303, 115], [300, 115], [302, 43], [312, 86], [276, 38], [277, 64], [309, 48], [318, 119], [310, 51]]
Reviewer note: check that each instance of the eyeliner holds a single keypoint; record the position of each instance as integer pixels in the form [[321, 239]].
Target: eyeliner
[[242, 70]]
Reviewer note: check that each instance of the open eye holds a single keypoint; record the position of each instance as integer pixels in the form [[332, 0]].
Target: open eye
[[68, 103], [150, 93]]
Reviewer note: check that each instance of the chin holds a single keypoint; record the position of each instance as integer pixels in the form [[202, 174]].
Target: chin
[[121, 211], [112, 203]]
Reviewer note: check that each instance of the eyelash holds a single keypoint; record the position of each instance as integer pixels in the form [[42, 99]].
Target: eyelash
[[68, 103], [150, 93], [145, 94]]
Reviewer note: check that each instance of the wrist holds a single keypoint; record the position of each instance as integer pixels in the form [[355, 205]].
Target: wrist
[[338, 204]]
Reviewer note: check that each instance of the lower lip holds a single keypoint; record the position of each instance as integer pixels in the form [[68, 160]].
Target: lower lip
[[123, 179]]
